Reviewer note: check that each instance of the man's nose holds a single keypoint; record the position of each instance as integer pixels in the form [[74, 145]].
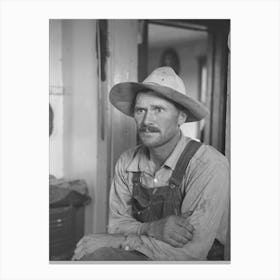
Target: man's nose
[[148, 117]]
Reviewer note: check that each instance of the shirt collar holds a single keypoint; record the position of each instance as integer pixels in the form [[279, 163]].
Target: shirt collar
[[171, 161], [141, 160]]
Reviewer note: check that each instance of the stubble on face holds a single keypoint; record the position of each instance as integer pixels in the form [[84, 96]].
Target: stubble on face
[[156, 119]]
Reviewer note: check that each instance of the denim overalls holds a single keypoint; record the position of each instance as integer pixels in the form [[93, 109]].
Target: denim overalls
[[150, 204]]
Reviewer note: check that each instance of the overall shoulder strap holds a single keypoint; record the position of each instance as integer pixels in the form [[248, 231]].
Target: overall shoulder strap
[[137, 174], [183, 162]]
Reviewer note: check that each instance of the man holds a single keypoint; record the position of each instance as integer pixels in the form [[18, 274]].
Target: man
[[169, 196]]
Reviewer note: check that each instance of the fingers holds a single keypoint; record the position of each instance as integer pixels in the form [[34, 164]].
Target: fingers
[[177, 240], [89, 244], [81, 248], [182, 240], [174, 230], [177, 233], [187, 227], [183, 222], [77, 257], [175, 243], [83, 239], [182, 230], [183, 234], [79, 253]]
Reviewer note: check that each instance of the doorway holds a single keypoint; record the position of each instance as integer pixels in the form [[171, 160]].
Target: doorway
[[199, 52], [202, 49]]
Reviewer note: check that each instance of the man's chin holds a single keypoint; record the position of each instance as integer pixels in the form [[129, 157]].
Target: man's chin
[[150, 143]]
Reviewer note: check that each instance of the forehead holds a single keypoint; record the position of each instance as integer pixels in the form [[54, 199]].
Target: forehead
[[152, 98]]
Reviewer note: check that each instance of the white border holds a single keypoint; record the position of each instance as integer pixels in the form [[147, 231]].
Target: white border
[[255, 138]]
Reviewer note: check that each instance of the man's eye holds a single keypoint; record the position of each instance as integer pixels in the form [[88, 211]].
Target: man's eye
[[139, 110], [158, 109]]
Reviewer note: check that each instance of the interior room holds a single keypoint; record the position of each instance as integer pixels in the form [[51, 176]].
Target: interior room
[[88, 57]]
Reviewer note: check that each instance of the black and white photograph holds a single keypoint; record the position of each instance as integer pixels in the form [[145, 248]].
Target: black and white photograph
[[139, 127], [139, 140]]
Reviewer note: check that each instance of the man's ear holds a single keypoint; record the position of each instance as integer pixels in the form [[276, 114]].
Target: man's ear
[[182, 117]]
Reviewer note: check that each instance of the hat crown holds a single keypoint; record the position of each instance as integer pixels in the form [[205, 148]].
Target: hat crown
[[166, 76]]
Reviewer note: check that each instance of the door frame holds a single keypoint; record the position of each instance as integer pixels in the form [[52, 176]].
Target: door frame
[[217, 62], [217, 125]]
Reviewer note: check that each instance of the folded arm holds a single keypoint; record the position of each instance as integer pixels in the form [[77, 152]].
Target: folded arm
[[207, 196]]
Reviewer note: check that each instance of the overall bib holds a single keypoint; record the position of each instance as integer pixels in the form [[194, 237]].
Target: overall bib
[[151, 204]]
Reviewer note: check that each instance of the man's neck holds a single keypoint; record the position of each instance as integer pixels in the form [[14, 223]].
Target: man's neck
[[159, 154]]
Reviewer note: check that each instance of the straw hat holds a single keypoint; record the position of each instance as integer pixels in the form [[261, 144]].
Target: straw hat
[[165, 83]]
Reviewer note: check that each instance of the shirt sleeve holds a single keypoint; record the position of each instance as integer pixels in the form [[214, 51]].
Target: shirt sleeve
[[120, 217], [208, 194], [209, 189]]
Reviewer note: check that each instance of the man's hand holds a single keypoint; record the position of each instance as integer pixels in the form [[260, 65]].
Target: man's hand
[[90, 243], [174, 230]]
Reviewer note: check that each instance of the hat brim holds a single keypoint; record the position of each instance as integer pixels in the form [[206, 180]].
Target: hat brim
[[122, 96]]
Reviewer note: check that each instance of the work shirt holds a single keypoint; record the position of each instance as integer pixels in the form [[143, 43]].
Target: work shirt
[[205, 191]]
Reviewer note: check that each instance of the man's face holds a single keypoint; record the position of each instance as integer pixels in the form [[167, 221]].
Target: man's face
[[157, 119]]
